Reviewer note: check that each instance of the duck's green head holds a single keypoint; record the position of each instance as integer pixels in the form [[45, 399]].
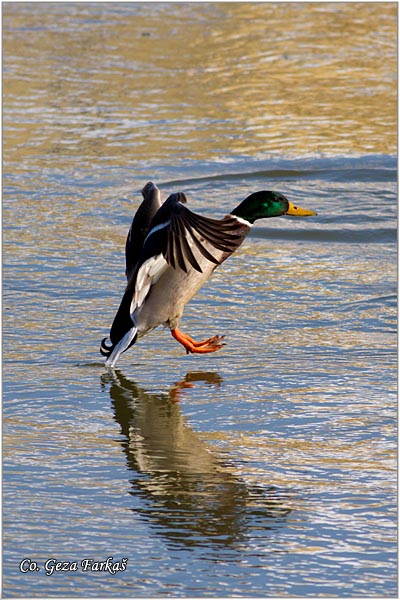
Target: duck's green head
[[262, 205]]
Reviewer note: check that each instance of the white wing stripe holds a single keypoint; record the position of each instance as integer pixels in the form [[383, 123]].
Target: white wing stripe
[[157, 228]]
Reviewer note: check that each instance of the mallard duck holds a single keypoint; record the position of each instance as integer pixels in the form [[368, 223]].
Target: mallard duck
[[170, 253]]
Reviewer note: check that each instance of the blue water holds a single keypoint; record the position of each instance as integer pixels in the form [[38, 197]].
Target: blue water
[[268, 467]]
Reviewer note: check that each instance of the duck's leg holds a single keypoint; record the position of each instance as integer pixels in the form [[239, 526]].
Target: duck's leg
[[211, 345]]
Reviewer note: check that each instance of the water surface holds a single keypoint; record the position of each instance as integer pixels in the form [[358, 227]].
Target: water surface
[[267, 469]]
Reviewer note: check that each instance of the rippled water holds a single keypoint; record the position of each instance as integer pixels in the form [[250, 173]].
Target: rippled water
[[267, 469]]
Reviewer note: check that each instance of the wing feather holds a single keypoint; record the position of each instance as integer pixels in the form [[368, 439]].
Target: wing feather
[[187, 251], [201, 248], [140, 226], [169, 254], [219, 239], [224, 235], [178, 251]]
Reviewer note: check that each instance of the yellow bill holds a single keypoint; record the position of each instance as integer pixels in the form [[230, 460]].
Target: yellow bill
[[296, 211]]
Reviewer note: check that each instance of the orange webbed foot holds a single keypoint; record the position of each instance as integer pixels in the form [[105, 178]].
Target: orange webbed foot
[[212, 344]]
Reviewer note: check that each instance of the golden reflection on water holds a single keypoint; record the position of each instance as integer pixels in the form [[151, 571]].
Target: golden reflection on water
[[171, 81]]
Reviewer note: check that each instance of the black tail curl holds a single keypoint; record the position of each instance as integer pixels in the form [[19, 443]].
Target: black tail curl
[[104, 349]]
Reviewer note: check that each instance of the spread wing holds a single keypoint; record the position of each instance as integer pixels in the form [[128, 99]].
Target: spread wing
[[140, 225], [176, 231]]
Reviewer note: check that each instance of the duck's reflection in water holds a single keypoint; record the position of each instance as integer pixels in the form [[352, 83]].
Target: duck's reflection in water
[[185, 492]]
